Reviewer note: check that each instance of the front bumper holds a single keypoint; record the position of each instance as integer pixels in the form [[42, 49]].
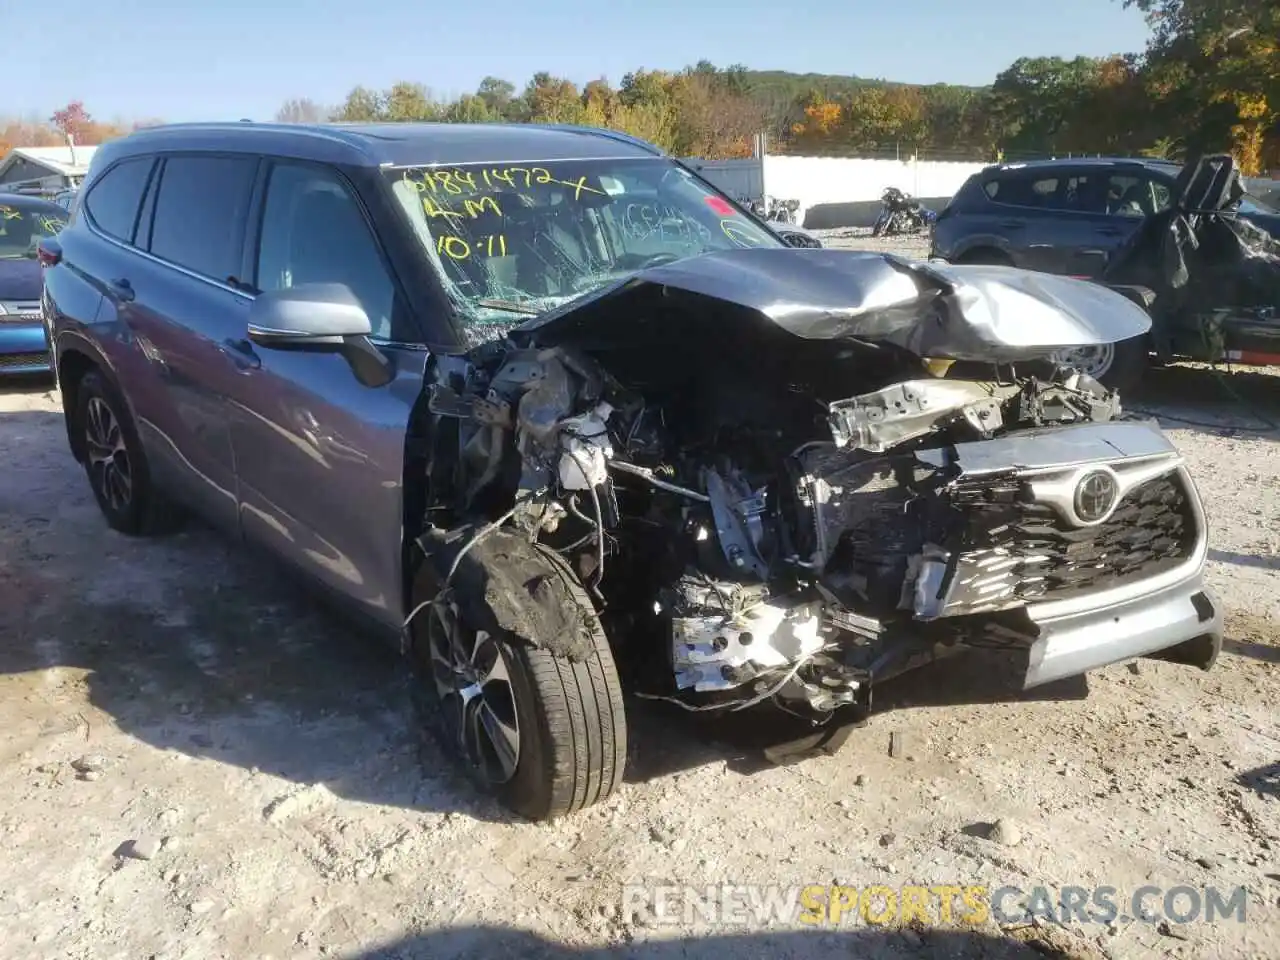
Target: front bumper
[[1181, 622], [24, 347]]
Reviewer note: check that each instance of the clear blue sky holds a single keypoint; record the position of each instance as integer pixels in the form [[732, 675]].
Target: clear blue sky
[[226, 59]]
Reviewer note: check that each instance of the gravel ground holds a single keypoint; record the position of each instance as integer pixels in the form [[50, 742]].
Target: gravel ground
[[199, 762]]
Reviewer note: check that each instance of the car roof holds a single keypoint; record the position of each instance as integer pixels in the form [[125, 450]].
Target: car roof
[[28, 202], [385, 144], [1151, 163]]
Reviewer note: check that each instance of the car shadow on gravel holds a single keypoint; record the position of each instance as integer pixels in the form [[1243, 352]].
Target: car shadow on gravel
[[864, 943], [1268, 562], [1242, 403], [1264, 781], [666, 739]]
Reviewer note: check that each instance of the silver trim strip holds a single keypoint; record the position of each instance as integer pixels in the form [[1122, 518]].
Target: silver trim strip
[[101, 235], [1060, 492], [160, 261], [1072, 606]]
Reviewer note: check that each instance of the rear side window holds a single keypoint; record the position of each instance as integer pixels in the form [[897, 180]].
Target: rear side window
[[200, 213], [1022, 190], [112, 202], [1056, 192]]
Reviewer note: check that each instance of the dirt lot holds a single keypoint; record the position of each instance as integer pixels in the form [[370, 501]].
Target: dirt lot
[[199, 762]]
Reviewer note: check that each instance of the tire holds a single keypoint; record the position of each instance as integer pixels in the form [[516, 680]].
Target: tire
[[986, 257], [115, 464], [570, 724], [1120, 366]]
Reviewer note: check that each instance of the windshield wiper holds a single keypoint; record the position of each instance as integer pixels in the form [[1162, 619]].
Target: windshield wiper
[[510, 306]]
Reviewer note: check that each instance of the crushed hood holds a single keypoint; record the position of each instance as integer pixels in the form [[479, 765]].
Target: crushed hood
[[982, 313]]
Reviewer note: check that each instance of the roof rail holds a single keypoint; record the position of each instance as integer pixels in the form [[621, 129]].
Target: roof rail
[[605, 132]]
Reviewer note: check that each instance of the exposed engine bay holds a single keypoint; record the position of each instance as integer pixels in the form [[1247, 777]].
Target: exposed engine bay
[[790, 503]]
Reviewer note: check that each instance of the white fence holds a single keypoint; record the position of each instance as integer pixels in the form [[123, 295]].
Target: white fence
[[737, 178], [836, 191]]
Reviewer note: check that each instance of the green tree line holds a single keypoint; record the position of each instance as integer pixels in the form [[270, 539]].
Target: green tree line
[[1208, 80]]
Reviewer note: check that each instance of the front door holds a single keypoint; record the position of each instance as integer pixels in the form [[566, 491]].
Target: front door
[[320, 455], [1130, 197]]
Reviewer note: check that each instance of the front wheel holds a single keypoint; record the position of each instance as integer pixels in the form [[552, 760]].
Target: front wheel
[[513, 675], [1117, 366]]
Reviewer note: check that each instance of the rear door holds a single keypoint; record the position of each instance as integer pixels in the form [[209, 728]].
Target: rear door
[[190, 312], [91, 294], [1052, 218], [319, 454]]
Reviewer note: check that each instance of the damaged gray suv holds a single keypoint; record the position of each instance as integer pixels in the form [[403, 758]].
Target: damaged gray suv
[[553, 413]]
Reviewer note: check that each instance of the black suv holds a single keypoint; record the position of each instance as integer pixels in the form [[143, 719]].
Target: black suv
[[1060, 216]]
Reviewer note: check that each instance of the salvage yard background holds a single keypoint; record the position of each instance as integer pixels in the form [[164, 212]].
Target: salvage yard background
[[198, 762]]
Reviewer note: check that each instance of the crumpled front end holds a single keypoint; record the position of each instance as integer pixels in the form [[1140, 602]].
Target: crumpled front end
[[751, 532]]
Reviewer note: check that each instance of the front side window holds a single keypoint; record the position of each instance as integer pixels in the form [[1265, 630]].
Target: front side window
[[112, 202], [22, 226], [313, 232], [200, 213], [512, 239], [1135, 195], [1161, 195]]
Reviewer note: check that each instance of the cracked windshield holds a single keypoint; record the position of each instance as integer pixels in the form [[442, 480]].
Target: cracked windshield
[[517, 241], [21, 230]]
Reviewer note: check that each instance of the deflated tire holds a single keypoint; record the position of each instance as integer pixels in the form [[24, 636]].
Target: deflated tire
[[514, 676]]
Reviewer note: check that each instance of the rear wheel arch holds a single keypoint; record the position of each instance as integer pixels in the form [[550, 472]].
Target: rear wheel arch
[[73, 364], [119, 474]]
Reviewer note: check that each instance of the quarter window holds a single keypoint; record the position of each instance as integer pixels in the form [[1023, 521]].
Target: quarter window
[[313, 231], [200, 213], [112, 202]]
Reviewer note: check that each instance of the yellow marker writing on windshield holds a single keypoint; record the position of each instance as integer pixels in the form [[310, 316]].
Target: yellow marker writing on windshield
[[455, 248], [739, 234]]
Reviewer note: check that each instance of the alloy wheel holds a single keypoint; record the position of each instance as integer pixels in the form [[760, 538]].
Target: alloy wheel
[[108, 456], [473, 684]]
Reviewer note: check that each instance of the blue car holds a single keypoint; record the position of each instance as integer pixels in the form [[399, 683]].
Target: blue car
[[24, 221]]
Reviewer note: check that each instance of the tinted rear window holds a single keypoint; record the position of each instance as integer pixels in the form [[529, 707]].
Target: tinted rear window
[[112, 202], [200, 213], [1023, 190], [1058, 191]]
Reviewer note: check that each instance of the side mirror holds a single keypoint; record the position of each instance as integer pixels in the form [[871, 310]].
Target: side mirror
[[311, 314]]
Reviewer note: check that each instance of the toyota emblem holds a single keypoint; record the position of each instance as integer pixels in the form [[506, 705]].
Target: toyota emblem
[[1095, 496]]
